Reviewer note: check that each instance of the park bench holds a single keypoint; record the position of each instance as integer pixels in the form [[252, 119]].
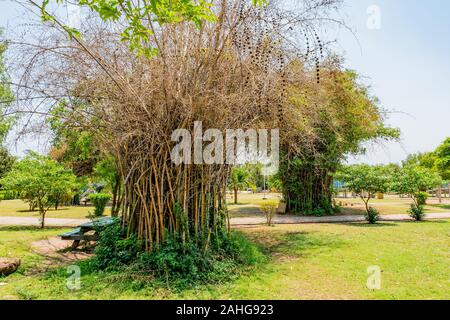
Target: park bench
[[80, 233]]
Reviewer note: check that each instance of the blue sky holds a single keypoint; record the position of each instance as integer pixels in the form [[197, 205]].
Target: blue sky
[[406, 62]]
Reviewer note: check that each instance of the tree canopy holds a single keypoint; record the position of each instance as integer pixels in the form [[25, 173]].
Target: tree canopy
[[411, 180], [443, 159], [366, 180], [40, 180]]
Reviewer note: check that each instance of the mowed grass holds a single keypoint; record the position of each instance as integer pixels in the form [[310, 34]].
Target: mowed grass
[[248, 205], [312, 261], [18, 208], [390, 205], [15, 242]]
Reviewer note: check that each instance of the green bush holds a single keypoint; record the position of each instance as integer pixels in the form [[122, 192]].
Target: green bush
[[416, 212], [99, 200], [175, 263], [422, 198], [9, 195], [372, 215], [113, 248]]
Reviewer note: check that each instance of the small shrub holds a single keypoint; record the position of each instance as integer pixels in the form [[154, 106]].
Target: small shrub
[[372, 215], [416, 212], [269, 208], [422, 198], [99, 200]]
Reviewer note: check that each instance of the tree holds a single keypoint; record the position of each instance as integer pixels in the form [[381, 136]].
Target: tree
[[73, 144], [6, 161], [342, 115], [412, 180], [199, 74], [41, 180], [106, 171], [239, 181], [425, 159], [443, 159], [366, 180]]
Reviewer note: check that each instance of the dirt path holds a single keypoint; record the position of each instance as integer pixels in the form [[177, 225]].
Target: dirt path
[[253, 220]]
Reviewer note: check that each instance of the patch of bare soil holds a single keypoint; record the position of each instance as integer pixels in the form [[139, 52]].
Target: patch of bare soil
[[58, 252]]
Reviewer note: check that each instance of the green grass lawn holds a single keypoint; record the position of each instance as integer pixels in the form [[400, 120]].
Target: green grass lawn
[[248, 205], [18, 208], [16, 242], [313, 261]]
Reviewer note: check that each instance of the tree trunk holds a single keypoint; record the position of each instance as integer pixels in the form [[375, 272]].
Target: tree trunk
[[440, 194], [56, 205], [235, 196], [42, 219], [116, 190], [307, 190]]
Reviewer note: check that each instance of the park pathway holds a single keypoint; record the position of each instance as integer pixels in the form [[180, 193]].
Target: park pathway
[[241, 221]]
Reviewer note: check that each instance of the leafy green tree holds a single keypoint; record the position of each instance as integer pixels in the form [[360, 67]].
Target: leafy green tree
[[72, 144], [443, 159], [6, 161], [412, 180], [106, 171], [366, 180], [240, 179], [426, 160], [347, 117], [40, 180]]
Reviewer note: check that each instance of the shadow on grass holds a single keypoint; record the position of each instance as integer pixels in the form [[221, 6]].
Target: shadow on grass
[[441, 206], [368, 225], [29, 228], [292, 244]]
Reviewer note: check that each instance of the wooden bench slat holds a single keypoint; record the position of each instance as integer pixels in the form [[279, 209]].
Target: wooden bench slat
[[72, 232]]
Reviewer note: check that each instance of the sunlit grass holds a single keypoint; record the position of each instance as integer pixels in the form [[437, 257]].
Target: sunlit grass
[[311, 261], [18, 208]]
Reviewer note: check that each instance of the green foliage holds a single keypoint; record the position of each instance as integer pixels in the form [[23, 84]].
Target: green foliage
[[176, 263], [105, 171], [240, 179], [135, 17], [372, 215], [99, 200], [40, 180], [426, 160], [347, 117], [72, 144], [416, 212], [439, 160], [366, 181], [269, 208], [113, 249], [443, 159], [6, 94], [6, 161], [412, 180], [422, 198]]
